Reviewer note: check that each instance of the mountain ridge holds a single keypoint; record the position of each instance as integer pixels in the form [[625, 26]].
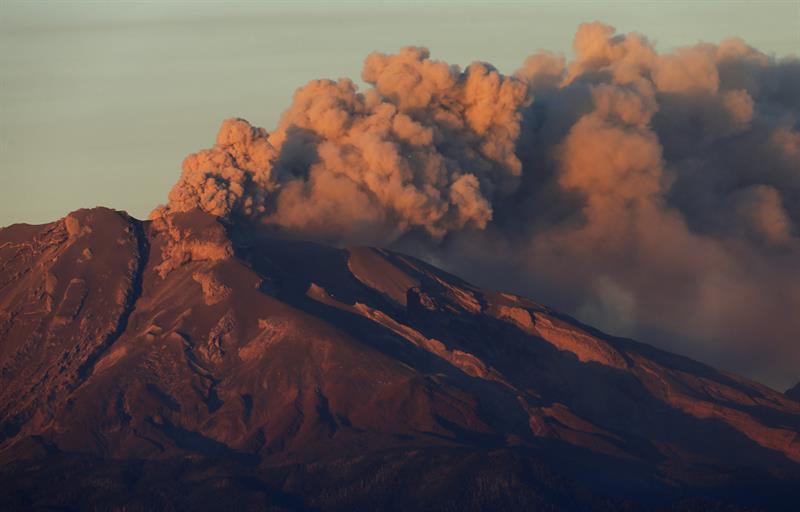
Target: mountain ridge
[[186, 338]]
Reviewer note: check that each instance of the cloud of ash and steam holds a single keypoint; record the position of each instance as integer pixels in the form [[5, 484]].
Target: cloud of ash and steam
[[656, 195]]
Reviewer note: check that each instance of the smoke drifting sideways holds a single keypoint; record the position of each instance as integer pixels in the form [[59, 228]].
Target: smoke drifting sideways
[[655, 195]]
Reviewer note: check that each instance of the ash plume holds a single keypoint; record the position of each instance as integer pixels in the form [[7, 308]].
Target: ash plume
[[428, 148], [656, 195]]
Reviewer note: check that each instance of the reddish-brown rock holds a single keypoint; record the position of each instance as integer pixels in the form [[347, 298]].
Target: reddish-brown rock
[[158, 340]]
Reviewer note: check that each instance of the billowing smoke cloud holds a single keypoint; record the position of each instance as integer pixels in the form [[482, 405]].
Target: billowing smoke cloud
[[427, 148], [656, 195]]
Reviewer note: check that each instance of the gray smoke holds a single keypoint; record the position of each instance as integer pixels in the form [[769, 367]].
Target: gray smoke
[[656, 195]]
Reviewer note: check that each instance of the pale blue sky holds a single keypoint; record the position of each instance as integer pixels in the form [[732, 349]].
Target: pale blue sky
[[101, 101]]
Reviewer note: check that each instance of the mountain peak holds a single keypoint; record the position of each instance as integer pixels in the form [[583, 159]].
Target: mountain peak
[[170, 338]]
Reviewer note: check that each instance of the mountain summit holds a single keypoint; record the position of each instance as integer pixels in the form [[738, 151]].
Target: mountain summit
[[178, 362]]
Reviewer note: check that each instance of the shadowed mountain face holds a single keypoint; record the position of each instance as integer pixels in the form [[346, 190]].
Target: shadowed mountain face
[[794, 393], [268, 373]]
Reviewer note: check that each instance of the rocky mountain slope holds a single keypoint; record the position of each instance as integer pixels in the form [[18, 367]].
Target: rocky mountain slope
[[295, 376]]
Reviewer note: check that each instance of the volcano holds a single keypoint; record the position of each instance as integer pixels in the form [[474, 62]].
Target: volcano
[[188, 363]]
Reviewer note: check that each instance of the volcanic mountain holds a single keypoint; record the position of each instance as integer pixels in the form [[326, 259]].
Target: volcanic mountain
[[186, 363]]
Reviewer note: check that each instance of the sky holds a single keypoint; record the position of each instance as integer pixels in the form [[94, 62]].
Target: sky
[[101, 102]]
